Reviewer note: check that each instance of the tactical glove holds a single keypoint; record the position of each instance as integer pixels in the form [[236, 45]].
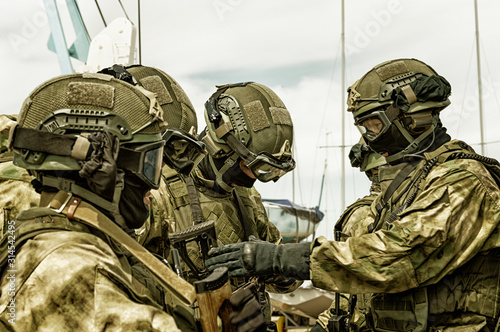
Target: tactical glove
[[262, 259], [247, 313]]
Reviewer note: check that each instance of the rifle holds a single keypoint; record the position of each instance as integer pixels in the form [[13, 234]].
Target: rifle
[[213, 291], [205, 236], [213, 294]]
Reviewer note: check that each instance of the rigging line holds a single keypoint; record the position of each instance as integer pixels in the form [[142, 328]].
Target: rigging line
[[325, 109], [294, 147], [100, 13], [139, 30], [84, 26], [489, 73], [124, 11]]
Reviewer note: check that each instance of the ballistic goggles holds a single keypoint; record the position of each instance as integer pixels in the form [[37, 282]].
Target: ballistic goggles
[[145, 161], [266, 167], [375, 124], [182, 151]]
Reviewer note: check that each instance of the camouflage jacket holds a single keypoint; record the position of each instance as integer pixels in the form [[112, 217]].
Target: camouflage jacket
[[172, 213], [446, 239], [57, 275], [16, 192]]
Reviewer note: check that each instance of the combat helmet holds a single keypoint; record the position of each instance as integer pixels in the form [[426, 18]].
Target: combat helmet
[[405, 93], [249, 121], [70, 120], [182, 150]]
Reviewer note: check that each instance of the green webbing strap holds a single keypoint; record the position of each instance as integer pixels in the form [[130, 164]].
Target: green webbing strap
[[398, 180], [87, 214], [194, 201], [248, 226]]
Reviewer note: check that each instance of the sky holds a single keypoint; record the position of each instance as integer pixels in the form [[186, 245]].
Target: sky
[[293, 47]]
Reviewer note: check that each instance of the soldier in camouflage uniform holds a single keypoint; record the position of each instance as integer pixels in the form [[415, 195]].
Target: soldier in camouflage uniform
[[94, 144], [430, 256], [248, 137], [16, 192], [352, 223]]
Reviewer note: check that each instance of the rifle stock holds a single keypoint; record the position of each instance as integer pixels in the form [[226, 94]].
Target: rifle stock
[[213, 294]]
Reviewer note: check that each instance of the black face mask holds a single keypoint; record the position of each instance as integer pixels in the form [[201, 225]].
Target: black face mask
[[236, 175], [392, 141], [132, 206]]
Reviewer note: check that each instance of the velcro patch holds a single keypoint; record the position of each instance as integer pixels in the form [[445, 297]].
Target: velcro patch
[[96, 94], [181, 95], [256, 114], [280, 116], [392, 69], [156, 85]]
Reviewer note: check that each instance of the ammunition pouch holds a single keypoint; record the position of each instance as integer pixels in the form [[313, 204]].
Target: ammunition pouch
[[403, 312]]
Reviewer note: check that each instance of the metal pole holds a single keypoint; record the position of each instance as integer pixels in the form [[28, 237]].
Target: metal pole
[[479, 84], [342, 94]]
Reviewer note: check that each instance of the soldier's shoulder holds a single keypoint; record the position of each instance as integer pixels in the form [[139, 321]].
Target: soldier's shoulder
[[9, 171]]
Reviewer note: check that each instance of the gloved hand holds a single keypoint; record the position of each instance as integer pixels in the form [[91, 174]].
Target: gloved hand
[[262, 259], [247, 314]]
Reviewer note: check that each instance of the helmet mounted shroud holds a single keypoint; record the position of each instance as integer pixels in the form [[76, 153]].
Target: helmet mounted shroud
[[182, 150], [59, 118], [230, 135], [405, 95]]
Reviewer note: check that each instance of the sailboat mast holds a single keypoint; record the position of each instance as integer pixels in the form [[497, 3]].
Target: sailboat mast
[[342, 200], [479, 83]]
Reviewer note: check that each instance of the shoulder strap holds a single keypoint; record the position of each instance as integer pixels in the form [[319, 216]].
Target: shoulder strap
[[81, 211], [194, 201], [390, 190], [247, 224]]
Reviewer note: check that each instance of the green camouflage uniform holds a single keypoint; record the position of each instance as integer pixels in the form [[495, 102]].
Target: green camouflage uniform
[[16, 192], [436, 266], [171, 213], [72, 279]]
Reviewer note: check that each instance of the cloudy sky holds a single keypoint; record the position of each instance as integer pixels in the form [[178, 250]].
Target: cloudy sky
[[294, 47]]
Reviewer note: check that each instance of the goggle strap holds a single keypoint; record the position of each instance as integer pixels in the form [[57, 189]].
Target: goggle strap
[[413, 146], [405, 132], [238, 147], [392, 112], [219, 173]]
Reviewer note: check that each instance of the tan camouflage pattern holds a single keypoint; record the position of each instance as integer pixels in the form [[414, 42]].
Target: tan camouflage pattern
[[6, 122], [16, 193], [74, 281], [453, 220]]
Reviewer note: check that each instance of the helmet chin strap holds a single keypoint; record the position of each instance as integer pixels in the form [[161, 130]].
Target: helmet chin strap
[[72, 188], [219, 173], [414, 142]]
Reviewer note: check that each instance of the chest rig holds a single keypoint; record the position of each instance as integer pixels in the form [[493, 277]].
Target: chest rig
[[413, 309]]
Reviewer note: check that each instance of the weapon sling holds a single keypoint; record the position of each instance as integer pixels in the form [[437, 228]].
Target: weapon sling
[[79, 210]]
